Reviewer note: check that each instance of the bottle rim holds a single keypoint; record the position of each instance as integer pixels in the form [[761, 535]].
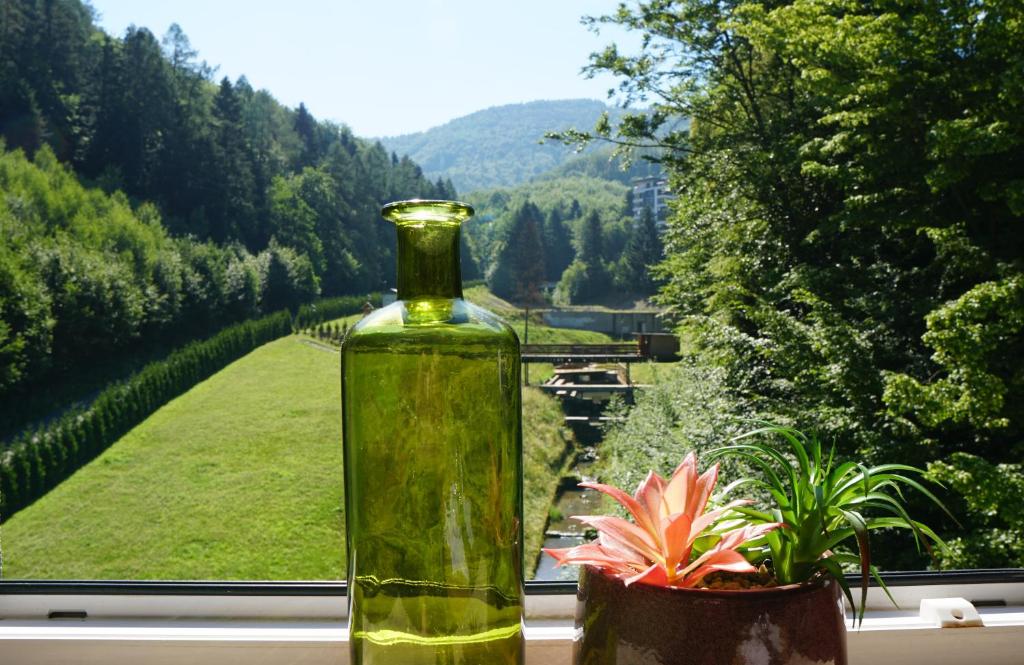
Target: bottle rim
[[427, 210]]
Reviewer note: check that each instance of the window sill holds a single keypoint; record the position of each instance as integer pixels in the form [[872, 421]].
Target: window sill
[[885, 638], [277, 623]]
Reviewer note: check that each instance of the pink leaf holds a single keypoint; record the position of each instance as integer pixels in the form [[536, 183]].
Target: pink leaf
[[628, 502], [683, 480], [678, 541], [654, 575], [624, 532], [590, 554], [649, 494], [727, 560], [698, 499]]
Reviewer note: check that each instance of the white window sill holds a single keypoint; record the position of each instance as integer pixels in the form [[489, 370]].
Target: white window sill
[[885, 638], [283, 629]]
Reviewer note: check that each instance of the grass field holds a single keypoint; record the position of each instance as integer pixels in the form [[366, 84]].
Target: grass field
[[239, 478]]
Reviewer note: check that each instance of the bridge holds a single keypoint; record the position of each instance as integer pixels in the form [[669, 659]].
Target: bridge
[[565, 354]]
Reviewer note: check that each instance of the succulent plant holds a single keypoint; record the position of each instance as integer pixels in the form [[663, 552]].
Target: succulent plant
[[673, 540]]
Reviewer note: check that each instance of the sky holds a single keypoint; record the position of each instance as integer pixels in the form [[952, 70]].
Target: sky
[[389, 68]]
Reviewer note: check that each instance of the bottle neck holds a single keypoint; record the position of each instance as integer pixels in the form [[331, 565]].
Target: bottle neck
[[428, 260]]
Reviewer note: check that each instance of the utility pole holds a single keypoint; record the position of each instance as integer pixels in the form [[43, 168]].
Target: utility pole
[[526, 340]]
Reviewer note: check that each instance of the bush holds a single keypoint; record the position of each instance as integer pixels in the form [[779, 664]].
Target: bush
[[582, 283], [311, 315]]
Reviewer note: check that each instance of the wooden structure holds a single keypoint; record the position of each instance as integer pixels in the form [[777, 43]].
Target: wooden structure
[[659, 347], [591, 382], [565, 354]]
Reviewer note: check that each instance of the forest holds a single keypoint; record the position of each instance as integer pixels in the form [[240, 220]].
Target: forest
[[146, 204], [500, 146], [847, 250], [564, 240]]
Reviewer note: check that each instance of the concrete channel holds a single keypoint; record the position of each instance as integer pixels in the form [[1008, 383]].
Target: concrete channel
[[584, 414]]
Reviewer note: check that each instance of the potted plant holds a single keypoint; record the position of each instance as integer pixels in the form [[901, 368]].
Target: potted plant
[[734, 584]]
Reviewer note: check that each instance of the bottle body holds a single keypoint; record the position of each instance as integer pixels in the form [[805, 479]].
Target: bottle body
[[433, 485]]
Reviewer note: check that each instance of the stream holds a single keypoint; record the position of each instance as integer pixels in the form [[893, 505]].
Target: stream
[[571, 499], [566, 532]]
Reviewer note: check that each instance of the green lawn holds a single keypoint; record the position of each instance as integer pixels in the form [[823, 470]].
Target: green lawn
[[239, 478]]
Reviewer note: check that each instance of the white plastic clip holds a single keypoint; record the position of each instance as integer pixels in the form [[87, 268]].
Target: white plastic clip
[[950, 612]]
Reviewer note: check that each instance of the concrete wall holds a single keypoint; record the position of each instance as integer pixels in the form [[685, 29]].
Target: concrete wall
[[616, 324]]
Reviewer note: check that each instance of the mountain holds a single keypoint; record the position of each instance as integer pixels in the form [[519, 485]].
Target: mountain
[[602, 163], [499, 146]]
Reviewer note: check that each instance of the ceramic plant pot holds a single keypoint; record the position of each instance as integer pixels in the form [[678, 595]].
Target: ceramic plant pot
[[648, 625]]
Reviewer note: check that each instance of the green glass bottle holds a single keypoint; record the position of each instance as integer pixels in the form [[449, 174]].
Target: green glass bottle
[[433, 463]]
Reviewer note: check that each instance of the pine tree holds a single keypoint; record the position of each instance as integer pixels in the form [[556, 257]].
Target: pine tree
[[575, 210], [558, 249], [591, 240], [643, 250], [232, 214], [518, 271], [586, 280], [305, 127]]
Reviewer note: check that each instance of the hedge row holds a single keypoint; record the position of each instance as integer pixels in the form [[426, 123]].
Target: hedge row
[[313, 314], [36, 461]]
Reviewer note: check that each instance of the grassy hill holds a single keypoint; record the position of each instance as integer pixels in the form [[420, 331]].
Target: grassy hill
[[498, 146], [239, 478]]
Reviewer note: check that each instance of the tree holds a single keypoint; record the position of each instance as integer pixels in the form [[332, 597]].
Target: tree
[[643, 251], [851, 195], [586, 280], [558, 249], [290, 278], [231, 212], [134, 111], [590, 241], [293, 221], [305, 126], [518, 271]]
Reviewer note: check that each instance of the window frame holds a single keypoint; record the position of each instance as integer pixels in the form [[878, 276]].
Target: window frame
[[297, 600]]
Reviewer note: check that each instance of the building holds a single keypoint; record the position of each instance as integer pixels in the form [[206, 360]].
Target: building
[[653, 193]]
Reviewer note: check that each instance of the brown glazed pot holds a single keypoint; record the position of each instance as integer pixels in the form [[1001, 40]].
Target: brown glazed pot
[[648, 625]]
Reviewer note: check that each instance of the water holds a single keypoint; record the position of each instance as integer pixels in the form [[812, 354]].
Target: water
[[564, 531]]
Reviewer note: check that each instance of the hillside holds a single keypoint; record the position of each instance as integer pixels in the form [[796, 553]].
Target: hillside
[[498, 146], [572, 198], [145, 204], [601, 163]]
